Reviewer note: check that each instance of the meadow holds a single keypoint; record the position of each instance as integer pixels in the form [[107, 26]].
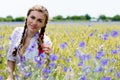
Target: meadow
[[80, 52]]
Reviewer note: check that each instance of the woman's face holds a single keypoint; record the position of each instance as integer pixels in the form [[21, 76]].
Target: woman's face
[[35, 21]]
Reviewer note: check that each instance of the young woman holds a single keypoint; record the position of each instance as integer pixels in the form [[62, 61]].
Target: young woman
[[29, 41]]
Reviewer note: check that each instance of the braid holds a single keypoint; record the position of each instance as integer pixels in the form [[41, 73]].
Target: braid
[[21, 42], [40, 39]]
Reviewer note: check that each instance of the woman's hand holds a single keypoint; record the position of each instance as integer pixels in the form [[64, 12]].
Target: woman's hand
[[47, 48]]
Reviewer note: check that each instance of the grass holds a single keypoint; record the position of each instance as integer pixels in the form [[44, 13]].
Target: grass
[[70, 36]]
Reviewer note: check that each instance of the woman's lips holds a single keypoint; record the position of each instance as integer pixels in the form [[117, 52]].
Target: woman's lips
[[33, 26]]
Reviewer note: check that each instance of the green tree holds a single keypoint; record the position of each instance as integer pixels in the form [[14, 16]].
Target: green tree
[[1, 19], [102, 17], [19, 19], [59, 17], [9, 18], [87, 17], [116, 18]]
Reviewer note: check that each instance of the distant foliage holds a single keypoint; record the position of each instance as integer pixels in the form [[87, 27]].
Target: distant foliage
[[19, 19], [85, 17]]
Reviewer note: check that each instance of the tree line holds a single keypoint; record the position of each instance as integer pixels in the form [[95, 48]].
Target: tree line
[[85, 17]]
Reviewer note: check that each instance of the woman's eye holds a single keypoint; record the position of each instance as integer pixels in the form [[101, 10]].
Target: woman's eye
[[39, 20], [32, 17]]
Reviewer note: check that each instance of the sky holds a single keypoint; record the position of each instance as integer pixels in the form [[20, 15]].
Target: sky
[[94, 8]]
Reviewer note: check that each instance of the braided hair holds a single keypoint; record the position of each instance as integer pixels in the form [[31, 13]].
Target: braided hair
[[43, 10]]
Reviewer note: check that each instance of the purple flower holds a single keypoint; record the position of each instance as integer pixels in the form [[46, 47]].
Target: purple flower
[[37, 58], [46, 71], [1, 78], [106, 35], [113, 60], [53, 57], [105, 38], [22, 58], [118, 74], [104, 62], [43, 55], [1, 37], [17, 77], [105, 78], [27, 74], [85, 57], [114, 51], [68, 60], [80, 63], [1, 48], [114, 33], [86, 68], [99, 55], [52, 65], [83, 78], [77, 53], [63, 45], [82, 44], [65, 69], [99, 69], [91, 34]]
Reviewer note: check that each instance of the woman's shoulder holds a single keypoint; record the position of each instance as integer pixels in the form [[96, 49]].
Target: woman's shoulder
[[17, 32], [18, 29]]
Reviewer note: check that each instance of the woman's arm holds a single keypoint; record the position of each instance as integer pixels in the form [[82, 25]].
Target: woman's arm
[[10, 57], [11, 67]]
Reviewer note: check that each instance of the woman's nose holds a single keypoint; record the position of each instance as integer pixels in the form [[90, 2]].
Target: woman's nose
[[34, 22]]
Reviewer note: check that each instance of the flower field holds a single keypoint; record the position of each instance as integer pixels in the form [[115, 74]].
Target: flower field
[[80, 52]]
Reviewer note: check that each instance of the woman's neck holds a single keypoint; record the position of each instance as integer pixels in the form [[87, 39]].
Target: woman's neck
[[30, 34]]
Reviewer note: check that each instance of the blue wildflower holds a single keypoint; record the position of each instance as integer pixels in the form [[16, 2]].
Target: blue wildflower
[[1, 78], [68, 60], [106, 35], [17, 77], [99, 55], [52, 65], [63, 45], [1, 48], [99, 69], [80, 63], [38, 65], [37, 58], [46, 71], [65, 69], [1, 37], [114, 51], [85, 57], [114, 33], [27, 74], [53, 57], [83, 78], [105, 78], [91, 34], [77, 53], [104, 62], [118, 74], [43, 55], [22, 58], [82, 44]]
